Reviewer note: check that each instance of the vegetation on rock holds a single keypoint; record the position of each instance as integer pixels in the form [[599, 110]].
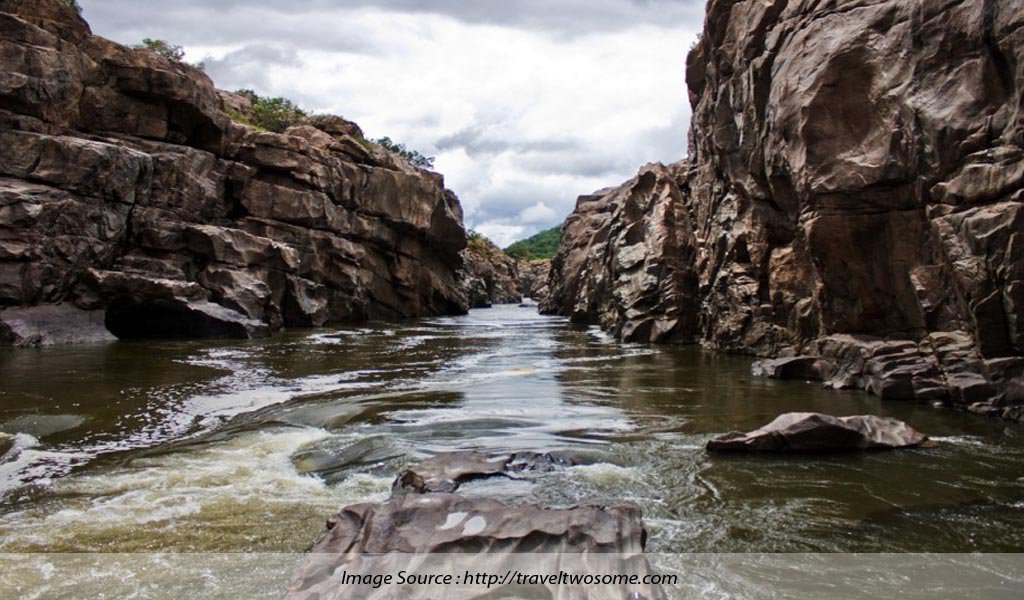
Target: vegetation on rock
[[417, 159], [270, 114], [542, 245]]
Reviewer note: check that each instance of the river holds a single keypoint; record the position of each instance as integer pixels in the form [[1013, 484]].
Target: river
[[204, 446]]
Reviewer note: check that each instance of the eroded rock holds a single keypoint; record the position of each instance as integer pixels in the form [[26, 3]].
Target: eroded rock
[[446, 534], [491, 276], [814, 432], [50, 325], [446, 472], [121, 162], [533, 279], [852, 193]]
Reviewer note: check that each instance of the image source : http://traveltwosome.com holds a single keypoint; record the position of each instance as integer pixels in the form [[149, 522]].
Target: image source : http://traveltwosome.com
[[605, 299]]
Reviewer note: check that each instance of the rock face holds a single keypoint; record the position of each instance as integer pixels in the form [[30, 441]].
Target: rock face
[[533, 278], [125, 188], [425, 522], [853, 194], [626, 260], [491, 276], [813, 432]]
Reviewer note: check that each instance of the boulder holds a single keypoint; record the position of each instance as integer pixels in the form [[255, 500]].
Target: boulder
[[795, 367], [813, 432]]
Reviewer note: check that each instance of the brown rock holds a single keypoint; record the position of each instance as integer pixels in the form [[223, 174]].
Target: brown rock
[[813, 432], [491, 275], [50, 324], [445, 534], [853, 190], [533, 278], [447, 472], [125, 187]]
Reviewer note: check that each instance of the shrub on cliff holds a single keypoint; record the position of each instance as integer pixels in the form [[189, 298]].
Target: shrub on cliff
[[414, 157], [74, 4], [170, 51], [271, 114], [163, 48]]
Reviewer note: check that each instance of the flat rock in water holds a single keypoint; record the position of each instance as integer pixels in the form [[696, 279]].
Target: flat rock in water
[[814, 432]]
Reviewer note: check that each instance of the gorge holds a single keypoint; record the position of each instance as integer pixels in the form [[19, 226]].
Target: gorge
[[217, 337]]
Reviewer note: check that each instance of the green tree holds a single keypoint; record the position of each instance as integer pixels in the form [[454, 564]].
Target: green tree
[[414, 157], [163, 48], [74, 4]]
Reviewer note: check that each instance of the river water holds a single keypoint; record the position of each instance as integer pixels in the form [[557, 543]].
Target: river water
[[248, 446]]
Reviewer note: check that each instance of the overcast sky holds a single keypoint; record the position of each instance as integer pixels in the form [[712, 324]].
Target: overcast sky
[[525, 103]]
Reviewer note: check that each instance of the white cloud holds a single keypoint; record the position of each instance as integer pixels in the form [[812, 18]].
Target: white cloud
[[523, 110], [538, 214], [502, 235]]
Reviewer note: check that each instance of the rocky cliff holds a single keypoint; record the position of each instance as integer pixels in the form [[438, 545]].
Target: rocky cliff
[[132, 204], [533, 278], [851, 200], [491, 276]]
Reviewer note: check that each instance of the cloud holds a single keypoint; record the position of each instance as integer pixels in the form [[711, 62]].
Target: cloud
[[525, 104], [539, 213]]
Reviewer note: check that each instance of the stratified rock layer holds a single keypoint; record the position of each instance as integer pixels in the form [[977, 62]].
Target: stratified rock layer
[[125, 188], [853, 193]]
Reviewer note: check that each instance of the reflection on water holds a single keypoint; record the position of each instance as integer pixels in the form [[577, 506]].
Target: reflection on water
[[248, 446]]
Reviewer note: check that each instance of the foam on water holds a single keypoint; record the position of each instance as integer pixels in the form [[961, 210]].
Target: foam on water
[[238, 495]]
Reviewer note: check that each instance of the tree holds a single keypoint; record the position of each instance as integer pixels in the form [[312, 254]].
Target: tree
[[163, 48], [74, 4], [414, 157]]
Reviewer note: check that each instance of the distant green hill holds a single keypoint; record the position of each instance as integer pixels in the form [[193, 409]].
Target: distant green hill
[[542, 245]]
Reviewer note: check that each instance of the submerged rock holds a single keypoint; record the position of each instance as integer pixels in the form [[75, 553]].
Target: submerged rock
[[127, 189], [814, 432], [446, 472]]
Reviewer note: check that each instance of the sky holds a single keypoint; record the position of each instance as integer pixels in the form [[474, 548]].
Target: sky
[[526, 104]]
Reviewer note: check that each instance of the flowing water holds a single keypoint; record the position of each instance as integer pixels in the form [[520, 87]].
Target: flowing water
[[248, 446]]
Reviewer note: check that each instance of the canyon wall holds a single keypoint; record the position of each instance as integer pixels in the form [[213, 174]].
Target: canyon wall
[[491, 276], [851, 202], [131, 204]]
